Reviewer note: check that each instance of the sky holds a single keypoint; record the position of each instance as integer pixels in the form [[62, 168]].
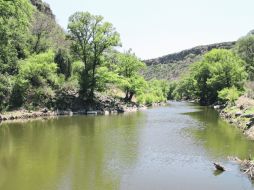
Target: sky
[[153, 28]]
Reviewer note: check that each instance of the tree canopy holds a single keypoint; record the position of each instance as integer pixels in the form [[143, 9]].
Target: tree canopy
[[91, 38], [14, 25], [219, 69], [245, 49]]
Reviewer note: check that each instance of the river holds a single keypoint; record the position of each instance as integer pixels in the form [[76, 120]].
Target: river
[[171, 147]]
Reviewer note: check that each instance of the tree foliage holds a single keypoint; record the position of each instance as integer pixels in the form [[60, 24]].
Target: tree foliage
[[129, 67], [219, 69], [14, 25], [154, 91], [46, 34], [36, 81], [229, 94], [42, 66], [91, 38], [6, 83], [63, 61], [245, 49]]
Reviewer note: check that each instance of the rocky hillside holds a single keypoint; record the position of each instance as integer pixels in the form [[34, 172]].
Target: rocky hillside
[[43, 7], [171, 66]]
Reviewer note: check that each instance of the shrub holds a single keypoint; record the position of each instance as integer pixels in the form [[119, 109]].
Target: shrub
[[36, 81], [6, 84], [229, 94]]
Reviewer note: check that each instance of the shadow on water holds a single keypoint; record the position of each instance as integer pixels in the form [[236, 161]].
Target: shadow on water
[[217, 172], [219, 137]]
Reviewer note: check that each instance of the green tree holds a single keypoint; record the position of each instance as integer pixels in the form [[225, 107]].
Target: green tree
[[153, 91], [227, 71], [185, 89], [223, 69], [36, 81], [245, 49], [129, 67], [6, 83], [63, 61], [91, 37], [171, 88], [41, 29], [14, 26], [46, 34], [202, 73], [218, 69], [105, 76], [229, 94]]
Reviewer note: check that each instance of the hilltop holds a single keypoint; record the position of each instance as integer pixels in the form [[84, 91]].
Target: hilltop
[[170, 66]]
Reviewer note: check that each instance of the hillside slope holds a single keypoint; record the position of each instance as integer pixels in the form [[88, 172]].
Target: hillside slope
[[43, 7], [171, 66]]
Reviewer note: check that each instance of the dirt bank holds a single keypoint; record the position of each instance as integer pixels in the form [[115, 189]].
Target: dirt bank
[[241, 115]]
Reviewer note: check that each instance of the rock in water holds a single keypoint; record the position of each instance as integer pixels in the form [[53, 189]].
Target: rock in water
[[219, 167]]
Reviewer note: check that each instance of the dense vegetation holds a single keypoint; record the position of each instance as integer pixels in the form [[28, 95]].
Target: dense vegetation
[[43, 66], [221, 75]]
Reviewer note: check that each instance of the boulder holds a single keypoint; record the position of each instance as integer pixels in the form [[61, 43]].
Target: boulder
[[217, 107], [91, 112], [11, 117], [250, 123], [45, 110], [238, 114], [219, 167], [106, 112], [241, 107], [248, 115]]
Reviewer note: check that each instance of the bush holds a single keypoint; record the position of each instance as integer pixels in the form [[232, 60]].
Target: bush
[[155, 91], [6, 84], [36, 82], [219, 69], [67, 93], [229, 94], [62, 59], [245, 49]]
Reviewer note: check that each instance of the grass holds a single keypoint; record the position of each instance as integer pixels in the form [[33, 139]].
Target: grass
[[232, 110], [249, 110]]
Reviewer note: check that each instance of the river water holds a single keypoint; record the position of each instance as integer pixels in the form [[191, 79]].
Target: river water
[[165, 148]]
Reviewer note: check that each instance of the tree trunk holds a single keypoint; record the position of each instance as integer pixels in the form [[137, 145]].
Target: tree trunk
[[93, 83], [131, 96], [85, 83], [127, 95]]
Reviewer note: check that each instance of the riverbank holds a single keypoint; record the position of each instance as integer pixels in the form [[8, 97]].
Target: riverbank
[[102, 106], [240, 115]]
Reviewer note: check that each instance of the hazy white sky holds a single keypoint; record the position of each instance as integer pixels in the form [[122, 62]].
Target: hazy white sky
[[154, 28]]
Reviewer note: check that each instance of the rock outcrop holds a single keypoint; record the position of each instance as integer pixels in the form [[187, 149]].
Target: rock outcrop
[[199, 50], [43, 7]]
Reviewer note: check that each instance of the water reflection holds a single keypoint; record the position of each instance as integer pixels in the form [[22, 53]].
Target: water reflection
[[164, 148], [217, 172], [218, 137], [68, 153]]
